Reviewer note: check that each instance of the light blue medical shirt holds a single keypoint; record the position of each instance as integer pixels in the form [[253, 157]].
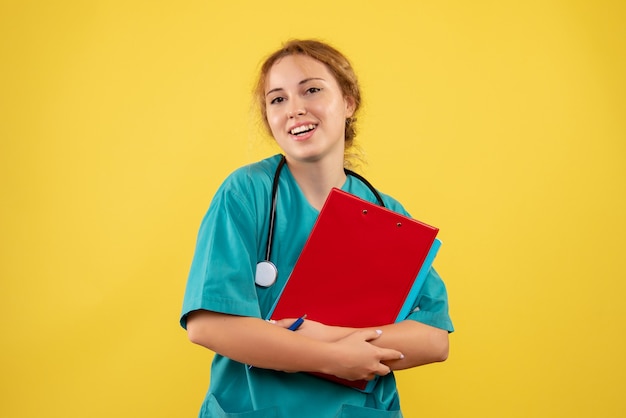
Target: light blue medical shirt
[[231, 241]]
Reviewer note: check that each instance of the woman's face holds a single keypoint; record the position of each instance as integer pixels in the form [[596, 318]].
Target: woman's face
[[306, 109]]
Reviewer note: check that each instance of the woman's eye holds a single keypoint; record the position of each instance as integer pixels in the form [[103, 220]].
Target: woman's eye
[[313, 89], [276, 100]]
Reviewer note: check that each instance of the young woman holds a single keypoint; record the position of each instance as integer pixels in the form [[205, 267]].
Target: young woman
[[308, 96]]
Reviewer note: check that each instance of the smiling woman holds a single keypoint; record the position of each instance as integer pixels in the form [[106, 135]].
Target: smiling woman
[[306, 110], [333, 63], [308, 96]]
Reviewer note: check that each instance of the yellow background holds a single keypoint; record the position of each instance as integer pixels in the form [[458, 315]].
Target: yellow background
[[501, 122]]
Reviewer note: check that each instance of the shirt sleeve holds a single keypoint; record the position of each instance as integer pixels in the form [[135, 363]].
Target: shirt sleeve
[[221, 277], [431, 306]]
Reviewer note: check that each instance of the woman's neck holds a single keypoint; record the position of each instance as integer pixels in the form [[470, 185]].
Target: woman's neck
[[316, 179]]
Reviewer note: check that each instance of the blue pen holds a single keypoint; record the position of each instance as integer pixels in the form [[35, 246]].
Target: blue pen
[[297, 324], [292, 327]]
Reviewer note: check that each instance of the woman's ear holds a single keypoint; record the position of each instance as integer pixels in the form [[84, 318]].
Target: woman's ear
[[350, 106]]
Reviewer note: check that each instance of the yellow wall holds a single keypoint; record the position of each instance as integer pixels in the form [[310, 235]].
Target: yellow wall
[[503, 123]]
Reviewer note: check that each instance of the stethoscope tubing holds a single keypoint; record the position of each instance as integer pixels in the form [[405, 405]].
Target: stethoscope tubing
[[270, 235]]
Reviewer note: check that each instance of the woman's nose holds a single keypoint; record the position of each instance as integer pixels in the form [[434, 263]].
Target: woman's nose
[[296, 109]]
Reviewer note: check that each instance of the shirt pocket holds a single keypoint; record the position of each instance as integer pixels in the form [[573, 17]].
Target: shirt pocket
[[353, 411], [212, 409]]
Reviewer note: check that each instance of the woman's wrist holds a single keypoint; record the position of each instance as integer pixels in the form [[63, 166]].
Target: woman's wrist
[[336, 333]]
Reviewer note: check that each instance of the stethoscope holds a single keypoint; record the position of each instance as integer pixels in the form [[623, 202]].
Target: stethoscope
[[266, 271]]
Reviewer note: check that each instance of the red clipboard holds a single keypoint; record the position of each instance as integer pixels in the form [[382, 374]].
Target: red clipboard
[[360, 267]]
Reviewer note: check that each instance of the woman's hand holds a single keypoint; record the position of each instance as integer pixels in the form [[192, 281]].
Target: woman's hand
[[356, 357]]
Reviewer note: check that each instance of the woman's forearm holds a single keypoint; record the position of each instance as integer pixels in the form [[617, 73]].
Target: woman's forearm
[[420, 343], [255, 342]]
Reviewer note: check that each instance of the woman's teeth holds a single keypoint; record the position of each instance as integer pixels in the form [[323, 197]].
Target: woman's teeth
[[302, 129]]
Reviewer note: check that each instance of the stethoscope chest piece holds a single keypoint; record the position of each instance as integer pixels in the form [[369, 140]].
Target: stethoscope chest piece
[[266, 274]]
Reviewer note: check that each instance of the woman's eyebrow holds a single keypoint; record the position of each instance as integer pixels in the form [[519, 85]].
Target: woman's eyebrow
[[273, 91], [306, 80]]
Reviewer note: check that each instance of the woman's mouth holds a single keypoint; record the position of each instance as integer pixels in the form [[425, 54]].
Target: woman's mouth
[[302, 129]]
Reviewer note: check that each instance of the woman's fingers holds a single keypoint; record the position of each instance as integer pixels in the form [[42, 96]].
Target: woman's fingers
[[361, 359], [364, 360], [386, 353]]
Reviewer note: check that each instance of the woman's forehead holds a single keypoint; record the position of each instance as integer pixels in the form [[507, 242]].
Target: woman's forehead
[[293, 69]]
